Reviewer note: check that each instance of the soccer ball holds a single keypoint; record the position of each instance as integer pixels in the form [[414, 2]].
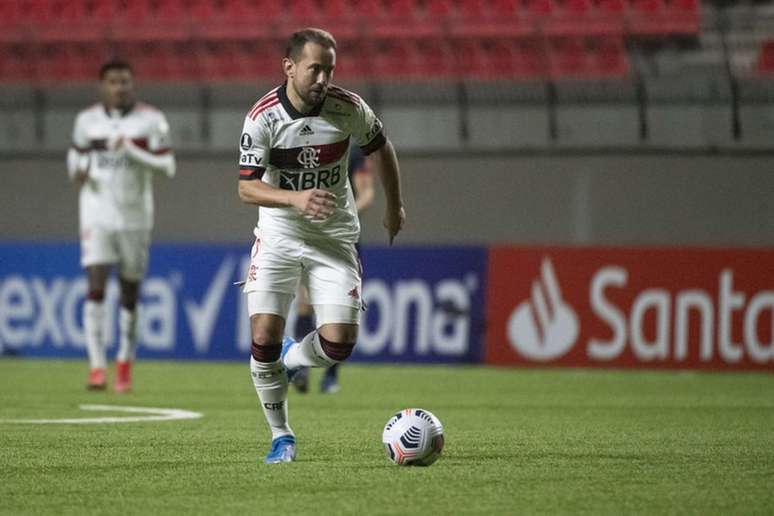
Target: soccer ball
[[413, 437]]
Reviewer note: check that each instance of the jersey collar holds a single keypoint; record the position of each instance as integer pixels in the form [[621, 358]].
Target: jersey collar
[[123, 112], [293, 112]]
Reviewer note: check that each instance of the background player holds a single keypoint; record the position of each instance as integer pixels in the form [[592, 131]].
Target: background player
[[293, 165], [361, 180], [118, 144]]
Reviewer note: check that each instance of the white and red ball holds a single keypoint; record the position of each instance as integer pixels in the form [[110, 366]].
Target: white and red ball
[[413, 437]]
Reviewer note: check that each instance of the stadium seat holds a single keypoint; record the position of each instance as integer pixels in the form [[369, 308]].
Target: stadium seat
[[569, 58], [609, 58], [765, 65], [540, 8], [435, 57], [499, 18], [396, 59], [16, 63]]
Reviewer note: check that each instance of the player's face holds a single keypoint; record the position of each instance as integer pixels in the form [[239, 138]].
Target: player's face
[[311, 74], [117, 89]]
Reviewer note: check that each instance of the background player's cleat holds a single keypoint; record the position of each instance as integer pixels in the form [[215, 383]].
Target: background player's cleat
[[329, 385], [283, 449], [287, 343], [301, 380], [97, 380], [330, 380], [123, 381]]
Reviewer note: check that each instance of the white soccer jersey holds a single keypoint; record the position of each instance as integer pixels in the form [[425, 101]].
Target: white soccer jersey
[[119, 192], [297, 151]]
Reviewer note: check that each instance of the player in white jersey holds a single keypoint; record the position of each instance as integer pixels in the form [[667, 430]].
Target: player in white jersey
[[293, 165], [118, 146]]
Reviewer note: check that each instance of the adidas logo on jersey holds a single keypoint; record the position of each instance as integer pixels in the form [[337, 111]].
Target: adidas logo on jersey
[[306, 131]]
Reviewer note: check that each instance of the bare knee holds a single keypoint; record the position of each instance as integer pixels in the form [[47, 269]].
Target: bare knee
[[267, 329]]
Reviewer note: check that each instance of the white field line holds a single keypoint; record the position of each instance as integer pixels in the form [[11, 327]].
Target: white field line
[[158, 414]]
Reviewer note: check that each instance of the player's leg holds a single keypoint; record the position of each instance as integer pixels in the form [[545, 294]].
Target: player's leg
[[133, 250], [270, 378], [334, 282], [330, 380], [94, 324], [98, 254], [127, 334], [274, 274]]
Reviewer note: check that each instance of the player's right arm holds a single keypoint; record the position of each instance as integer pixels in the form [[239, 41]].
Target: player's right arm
[[254, 155], [78, 155]]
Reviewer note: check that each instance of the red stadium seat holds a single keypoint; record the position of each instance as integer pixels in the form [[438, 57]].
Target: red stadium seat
[[396, 59], [540, 8], [367, 8], [16, 63], [765, 65], [609, 58], [569, 58], [438, 10], [500, 18]]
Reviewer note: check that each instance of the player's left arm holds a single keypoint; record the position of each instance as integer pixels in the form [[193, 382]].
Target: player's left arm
[[363, 181], [155, 152], [385, 163], [369, 133]]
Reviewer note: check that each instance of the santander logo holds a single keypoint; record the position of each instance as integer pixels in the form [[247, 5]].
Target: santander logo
[[544, 327], [673, 308]]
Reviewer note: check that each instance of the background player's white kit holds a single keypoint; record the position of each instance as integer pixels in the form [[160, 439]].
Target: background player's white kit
[[119, 193], [115, 153]]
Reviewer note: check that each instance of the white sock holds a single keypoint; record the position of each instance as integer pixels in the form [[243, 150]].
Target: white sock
[[271, 384], [307, 353], [127, 339], [93, 323]]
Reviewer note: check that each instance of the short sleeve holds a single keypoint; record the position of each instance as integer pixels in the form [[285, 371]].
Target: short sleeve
[[80, 139], [368, 131], [159, 139], [254, 148]]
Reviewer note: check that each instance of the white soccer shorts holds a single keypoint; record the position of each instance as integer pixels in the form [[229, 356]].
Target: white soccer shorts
[[330, 269], [127, 248]]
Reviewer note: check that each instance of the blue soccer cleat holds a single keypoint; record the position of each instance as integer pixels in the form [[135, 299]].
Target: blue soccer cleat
[[283, 449]]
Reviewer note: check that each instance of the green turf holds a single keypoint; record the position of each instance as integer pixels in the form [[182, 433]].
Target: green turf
[[518, 441]]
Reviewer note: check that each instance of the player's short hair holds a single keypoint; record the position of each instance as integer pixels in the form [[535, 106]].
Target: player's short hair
[[309, 35], [114, 64]]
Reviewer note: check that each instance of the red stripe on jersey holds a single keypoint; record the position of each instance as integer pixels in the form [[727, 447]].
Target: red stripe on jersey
[[258, 106], [264, 108], [273, 92], [143, 144], [342, 98], [344, 93], [300, 157], [265, 100]]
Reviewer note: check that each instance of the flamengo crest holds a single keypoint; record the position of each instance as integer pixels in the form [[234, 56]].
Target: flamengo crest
[[309, 157]]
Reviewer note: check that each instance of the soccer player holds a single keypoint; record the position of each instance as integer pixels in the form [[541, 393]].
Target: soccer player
[[361, 181], [118, 146], [293, 163]]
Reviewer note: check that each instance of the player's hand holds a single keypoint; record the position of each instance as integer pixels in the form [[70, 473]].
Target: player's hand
[[316, 204], [394, 219], [80, 178]]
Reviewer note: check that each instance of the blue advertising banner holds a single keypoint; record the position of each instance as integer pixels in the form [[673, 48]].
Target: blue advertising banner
[[424, 304]]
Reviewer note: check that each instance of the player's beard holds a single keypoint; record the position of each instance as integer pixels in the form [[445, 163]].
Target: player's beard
[[314, 95]]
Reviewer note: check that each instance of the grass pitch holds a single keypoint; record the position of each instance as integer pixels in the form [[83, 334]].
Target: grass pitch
[[517, 441]]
